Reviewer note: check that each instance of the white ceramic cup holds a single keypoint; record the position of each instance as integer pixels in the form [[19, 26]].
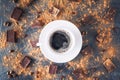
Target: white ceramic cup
[[75, 44]]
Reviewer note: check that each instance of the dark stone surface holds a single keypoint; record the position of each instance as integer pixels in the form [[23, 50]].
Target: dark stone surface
[[6, 8]]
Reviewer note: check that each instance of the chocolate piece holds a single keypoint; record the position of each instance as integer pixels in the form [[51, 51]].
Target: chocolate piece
[[25, 62], [7, 23], [54, 11], [109, 15], [53, 69], [11, 36], [87, 50], [16, 14], [109, 65]]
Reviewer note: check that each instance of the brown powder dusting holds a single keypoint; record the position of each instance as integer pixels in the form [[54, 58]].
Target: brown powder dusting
[[104, 37], [68, 9], [24, 3], [3, 41], [12, 61], [42, 73], [65, 8]]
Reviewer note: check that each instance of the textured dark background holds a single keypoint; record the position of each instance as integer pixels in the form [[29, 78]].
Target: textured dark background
[[6, 8]]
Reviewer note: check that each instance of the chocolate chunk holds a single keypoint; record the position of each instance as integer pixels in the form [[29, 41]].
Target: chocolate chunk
[[11, 36], [16, 14], [54, 11], [109, 65], [109, 15], [53, 69], [25, 62], [87, 50]]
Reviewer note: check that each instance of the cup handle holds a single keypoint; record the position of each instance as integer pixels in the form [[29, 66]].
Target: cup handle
[[38, 44]]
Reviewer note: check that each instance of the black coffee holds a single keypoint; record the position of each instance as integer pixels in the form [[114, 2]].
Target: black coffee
[[59, 40]]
